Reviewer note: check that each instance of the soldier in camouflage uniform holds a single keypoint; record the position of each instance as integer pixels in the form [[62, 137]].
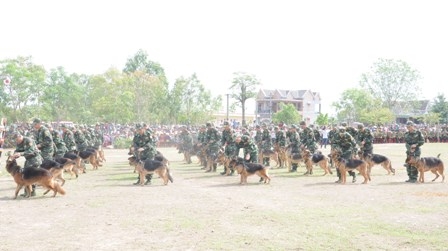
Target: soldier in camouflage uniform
[[27, 148], [307, 140], [80, 139], [44, 140], [89, 140], [213, 142], [365, 140], [68, 138], [294, 144], [258, 137], [317, 135], [266, 143], [244, 131], [345, 143], [280, 145], [58, 144], [143, 148], [99, 136], [201, 145], [250, 149], [414, 140], [186, 143], [229, 144]]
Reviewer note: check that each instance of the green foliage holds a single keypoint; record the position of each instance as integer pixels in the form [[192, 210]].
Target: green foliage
[[322, 119], [244, 87], [287, 113], [440, 107], [431, 118], [391, 81]]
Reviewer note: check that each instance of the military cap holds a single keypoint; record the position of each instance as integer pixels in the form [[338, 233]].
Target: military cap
[[138, 126], [302, 123], [410, 123], [17, 134], [245, 138], [342, 128], [257, 126], [275, 127], [293, 126], [344, 124], [37, 121], [48, 125], [208, 124], [226, 123], [263, 124], [360, 126]]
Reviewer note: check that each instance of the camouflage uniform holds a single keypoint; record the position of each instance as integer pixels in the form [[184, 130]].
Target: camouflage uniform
[[307, 138], [266, 143], [28, 149], [365, 140], [44, 142], [345, 143], [413, 138], [142, 139], [228, 141], [249, 148], [99, 136], [80, 140], [69, 139], [280, 137], [212, 140], [186, 144], [59, 145], [294, 143]]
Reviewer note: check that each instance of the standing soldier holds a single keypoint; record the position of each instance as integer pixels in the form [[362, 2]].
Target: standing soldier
[[58, 144], [294, 144], [202, 136], [44, 140], [266, 143], [27, 148], [258, 138], [68, 138], [308, 141], [365, 140], [413, 139], [212, 140], [345, 143], [280, 145], [228, 142], [80, 139], [250, 150], [187, 143]]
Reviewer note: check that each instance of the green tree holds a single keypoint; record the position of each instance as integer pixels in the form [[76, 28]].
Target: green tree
[[322, 119], [440, 106], [287, 113], [352, 104], [391, 81], [244, 87]]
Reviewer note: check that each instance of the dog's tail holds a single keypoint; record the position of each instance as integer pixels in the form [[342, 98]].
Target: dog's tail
[[58, 188], [169, 175]]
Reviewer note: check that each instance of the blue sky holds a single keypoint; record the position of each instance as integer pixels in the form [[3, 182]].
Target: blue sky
[[323, 46]]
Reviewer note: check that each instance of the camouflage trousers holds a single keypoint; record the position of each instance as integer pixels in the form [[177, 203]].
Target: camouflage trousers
[[33, 162]]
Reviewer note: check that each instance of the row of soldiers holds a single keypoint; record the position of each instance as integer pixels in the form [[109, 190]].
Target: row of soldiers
[[45, 143]]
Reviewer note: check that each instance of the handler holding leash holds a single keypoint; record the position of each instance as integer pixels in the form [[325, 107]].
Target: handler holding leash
[[413, 139]]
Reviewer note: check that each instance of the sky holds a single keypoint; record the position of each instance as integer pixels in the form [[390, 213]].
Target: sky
[[321, 45]]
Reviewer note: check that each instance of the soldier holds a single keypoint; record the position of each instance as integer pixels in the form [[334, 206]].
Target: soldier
[[143, 148], [317, 134], [244, 131], [228, 142], [345, 143], [413, 139], [80, 139], [280, 144], [212, 140], [201, 145], [250, 150], [68, 138], [307, 140], [27, 148], [365, 140], [58, 144], [44, 140], [294, 144], [186, 143], [266, 143]]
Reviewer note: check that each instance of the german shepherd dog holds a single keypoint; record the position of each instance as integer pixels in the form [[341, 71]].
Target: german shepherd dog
[[90, 155], [245, 169], [316, 158], [345, 165], [272, 155], [377, 159], [282, 158], [293, 158], [55, 168], [153, 166], [69, 166], [78, 168], [224, 160], [25, 177], [433, 164]]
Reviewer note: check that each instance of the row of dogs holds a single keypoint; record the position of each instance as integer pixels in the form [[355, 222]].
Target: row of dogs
[[50, 173]]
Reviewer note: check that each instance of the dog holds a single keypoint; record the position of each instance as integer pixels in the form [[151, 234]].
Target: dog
[[345, 165], [25, 177], [293, 158], [433, 164], [78, 167], [282, 158], [90, 155], [55, 168], [316, 158], [69, 166], [247, 169], [272, 155], [224, 160], [153, 166], [377, 159]]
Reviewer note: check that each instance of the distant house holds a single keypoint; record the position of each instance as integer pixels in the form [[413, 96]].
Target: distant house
[[308, 103], [413, 109]]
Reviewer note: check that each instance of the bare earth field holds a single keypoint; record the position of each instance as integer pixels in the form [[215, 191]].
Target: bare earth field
[[102, 210]]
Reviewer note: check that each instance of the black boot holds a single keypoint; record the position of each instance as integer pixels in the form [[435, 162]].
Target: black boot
[[148, 179], [353, 174], [294, 168], [339, 176], [138, 180]]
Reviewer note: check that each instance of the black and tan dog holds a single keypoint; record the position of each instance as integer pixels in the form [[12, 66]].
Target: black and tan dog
[[25, 177], [153, 166], [316, 158], [55, 168], [293, 158], [345, 165], [377, 159], [433, 164], [79, 168], [69, 166], [272, 155], [247, 169]]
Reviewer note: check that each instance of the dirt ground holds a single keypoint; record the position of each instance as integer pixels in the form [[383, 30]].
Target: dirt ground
[[102, 210]]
